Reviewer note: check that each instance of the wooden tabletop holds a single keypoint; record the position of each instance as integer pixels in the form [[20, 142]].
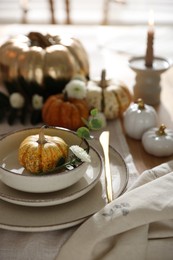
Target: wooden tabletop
[[110, 47]]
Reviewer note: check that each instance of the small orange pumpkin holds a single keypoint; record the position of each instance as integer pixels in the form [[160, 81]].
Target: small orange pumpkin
[[65, 112]]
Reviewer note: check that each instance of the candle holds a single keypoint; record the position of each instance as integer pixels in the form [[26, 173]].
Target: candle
[[150, 38], [24, 4]]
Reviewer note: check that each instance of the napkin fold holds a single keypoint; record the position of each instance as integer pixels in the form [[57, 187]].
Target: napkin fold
[[137, 225]]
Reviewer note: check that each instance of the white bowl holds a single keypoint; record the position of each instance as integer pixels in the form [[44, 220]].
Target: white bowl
[[15, 176]]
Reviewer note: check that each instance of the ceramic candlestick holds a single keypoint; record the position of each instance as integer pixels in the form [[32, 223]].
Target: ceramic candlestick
[[147, 85]]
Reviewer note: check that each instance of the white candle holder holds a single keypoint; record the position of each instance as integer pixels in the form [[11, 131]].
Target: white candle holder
[[147, 85]]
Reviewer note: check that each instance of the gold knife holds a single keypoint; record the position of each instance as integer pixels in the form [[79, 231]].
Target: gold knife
[[104, 141]]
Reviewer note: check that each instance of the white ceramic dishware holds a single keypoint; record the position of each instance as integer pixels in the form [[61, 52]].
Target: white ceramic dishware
[[85, 184], [16, 176], [37, 219]]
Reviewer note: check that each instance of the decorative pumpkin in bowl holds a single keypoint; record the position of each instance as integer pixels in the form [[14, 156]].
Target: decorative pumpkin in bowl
[[18, 177], [42, 153], [42, 64]]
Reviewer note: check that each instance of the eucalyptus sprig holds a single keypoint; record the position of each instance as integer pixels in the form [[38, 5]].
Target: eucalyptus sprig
[[93, 123]]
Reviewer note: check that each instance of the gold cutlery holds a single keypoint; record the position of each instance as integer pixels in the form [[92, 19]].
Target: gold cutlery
[[104, 141]]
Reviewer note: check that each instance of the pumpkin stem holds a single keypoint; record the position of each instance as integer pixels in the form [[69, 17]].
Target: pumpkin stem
[[161, 130], [65, 96], [41, 138], [39, 39], [103, 82], [140, 103]]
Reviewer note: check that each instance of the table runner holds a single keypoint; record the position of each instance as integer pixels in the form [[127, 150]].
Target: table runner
[[46, 245]]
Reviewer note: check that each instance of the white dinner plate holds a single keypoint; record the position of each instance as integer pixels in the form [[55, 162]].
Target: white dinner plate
[[86, 183], [37, 219]]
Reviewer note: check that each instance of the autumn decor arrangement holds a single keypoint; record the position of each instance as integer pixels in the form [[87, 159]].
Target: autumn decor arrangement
[[40, 153], [47, 159], [46, 79], [34, 67]]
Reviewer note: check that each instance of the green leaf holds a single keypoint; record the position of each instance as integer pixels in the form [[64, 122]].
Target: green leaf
[[95, 124], [83, 132], [94, 112]]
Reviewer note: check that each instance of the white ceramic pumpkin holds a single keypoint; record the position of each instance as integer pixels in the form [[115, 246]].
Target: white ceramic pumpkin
[[138, 118], [158, 141]]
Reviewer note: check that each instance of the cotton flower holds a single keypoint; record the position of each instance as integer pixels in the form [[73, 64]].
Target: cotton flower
[[37, 101], [16, 100], [80, 153], [76, 89]]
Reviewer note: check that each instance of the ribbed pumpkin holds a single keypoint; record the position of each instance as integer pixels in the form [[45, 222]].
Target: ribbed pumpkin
[[42, 64], [58, 110], [108, 97], [42, 153]]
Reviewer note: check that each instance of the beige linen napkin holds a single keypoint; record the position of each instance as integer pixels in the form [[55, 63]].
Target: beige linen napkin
[[136, 226]]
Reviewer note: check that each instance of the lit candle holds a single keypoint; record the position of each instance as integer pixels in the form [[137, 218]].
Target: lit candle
[[150, 38], [24, 4]]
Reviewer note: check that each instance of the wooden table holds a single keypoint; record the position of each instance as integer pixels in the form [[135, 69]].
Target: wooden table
[[110, 47]]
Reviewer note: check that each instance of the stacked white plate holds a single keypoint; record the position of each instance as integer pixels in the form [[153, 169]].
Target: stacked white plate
[[28, 211]]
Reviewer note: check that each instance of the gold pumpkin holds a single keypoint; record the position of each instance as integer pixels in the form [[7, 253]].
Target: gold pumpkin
[[42, 153], [41, 64], [108, 97]]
